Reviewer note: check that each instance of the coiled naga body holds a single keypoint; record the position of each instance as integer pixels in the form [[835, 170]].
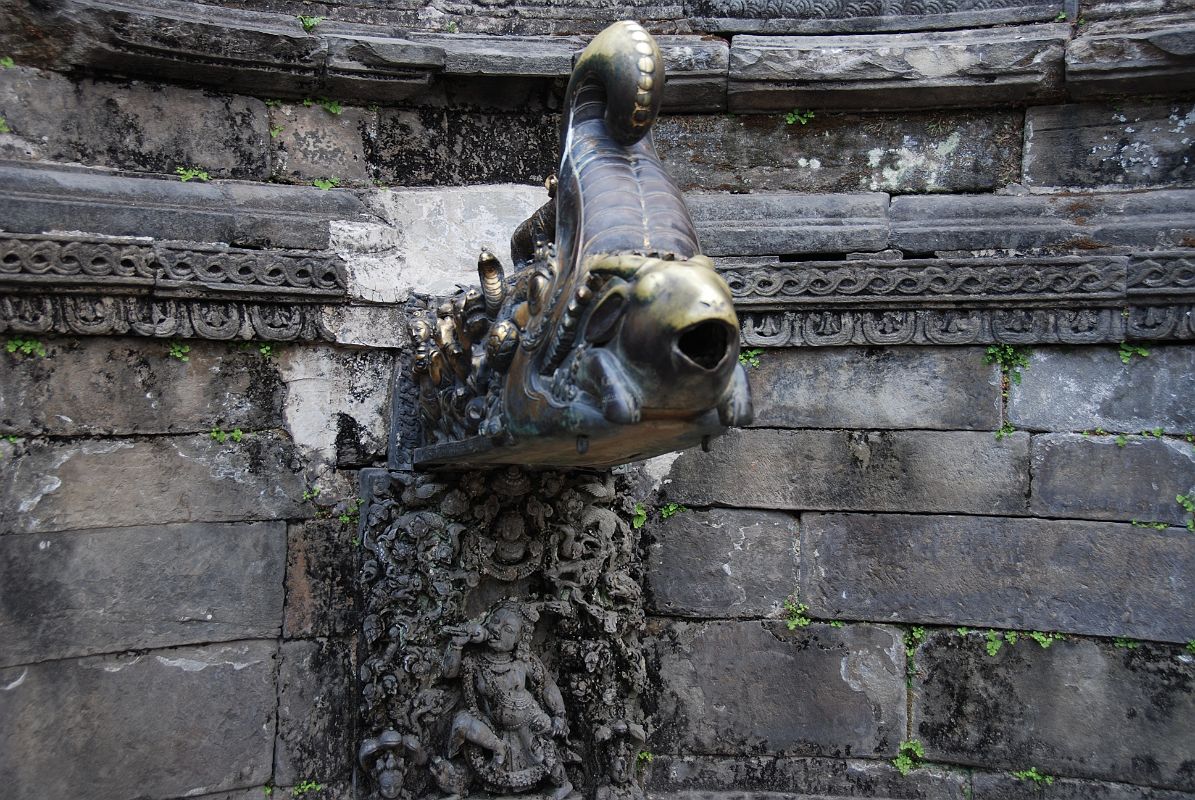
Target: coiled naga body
[[614, 339]]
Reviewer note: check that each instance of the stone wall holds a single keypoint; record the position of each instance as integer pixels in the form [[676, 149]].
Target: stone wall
[[909, 544]]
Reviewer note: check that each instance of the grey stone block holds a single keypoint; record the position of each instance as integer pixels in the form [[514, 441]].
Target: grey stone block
[[321, 567], [69, 485], [857, 16], [315, 731], [35, 200], [366, 326], [136, 126], [816, 691], [474, 54], [696, 67], [144, 390], [897, 70], [948, 152], [1005, 786], [1076, 389], [314, 143], [1083, 709], [764, 777], [161, 586], [1163, 218], [927, 471], [947, 388], [722, 563], [436, 147], [1140, 55], [1093, 578], [1127, 145], [780, 223], [163, 724], [1097, 10], [1094, 477]]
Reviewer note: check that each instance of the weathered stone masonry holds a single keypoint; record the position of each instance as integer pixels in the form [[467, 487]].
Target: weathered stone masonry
[[177, 605]]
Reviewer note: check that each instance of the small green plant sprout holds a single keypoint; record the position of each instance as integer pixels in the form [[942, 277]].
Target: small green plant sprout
[[909, 756], [1005, 430], [4, 126], [1125, 643], [645, 757], [640, 516], [1062, 17], [671, 510], [451, 26], [219, 436], [273, 104], [993, 642], [351, 514], [179, 351], [326, 183], [6, 62], [750, 358], [266, 350], [333, 107], [797, 115], [11, 439], [1127, 351], [311, 494], [962, 630], [1011, 637], [192, 174], [276, 131], [837, 623], [267, 790], [1031, 774], [1044, 640], [309, 23], [914, 637], [305, 787], [1157, 526], [1121, 440], [1011, 359], [1191, 646], [25, 347], [796, 613], [1187, 501], [236, 435]]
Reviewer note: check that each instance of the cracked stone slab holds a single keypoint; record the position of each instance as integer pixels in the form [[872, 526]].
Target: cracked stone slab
[[927, 471], [69, 485], [843, 689], [128, 722], [162, 586], [909, 152], [1098, 146], [998, 66], [1085, 709], [1077, 389], [145, 389], [1100, 477], [315, 736], [722, 562], [1093, 578]]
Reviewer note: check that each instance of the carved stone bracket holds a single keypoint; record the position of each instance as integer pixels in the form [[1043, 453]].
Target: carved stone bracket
[[501, 639]]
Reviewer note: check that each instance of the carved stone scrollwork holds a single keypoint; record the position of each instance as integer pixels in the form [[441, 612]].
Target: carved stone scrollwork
[[500, 646]]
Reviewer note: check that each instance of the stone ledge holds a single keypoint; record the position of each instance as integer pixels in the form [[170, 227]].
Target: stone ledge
[[1139, 55], [861, 16], [902, 70], [780, 222]]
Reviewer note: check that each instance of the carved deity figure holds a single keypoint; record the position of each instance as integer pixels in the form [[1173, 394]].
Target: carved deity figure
[[513, 712]]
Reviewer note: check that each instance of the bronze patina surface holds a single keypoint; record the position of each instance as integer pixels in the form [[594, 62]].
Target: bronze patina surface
[[614, 339]]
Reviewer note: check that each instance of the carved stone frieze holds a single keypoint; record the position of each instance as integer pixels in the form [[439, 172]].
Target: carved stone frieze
[[500, 646]]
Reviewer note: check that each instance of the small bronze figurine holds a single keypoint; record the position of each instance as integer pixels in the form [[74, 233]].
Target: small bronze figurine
[[615, 339]]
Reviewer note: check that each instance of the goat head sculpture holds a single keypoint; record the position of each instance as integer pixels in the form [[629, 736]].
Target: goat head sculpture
[[614, 339]]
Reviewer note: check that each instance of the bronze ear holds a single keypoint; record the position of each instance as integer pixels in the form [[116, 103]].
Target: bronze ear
[[604, 319]]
